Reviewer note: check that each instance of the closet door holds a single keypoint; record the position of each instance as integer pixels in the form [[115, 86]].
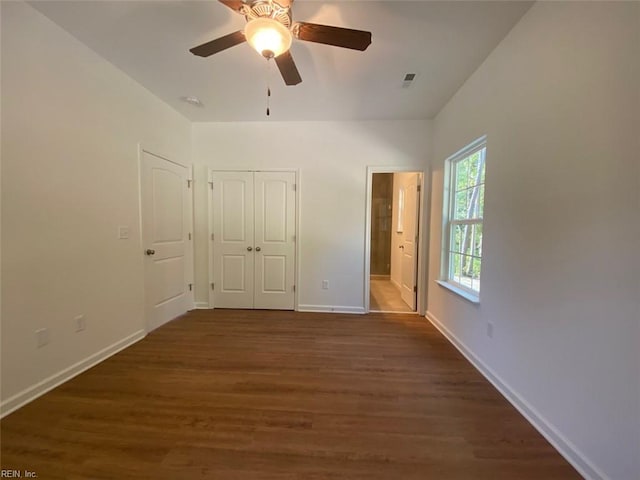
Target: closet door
[[274, 240], [233, 239]]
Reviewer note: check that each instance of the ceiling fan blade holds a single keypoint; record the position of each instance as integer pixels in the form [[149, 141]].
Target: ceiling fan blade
[[232, 4], [219, 44], [288, 68], [336, 36]]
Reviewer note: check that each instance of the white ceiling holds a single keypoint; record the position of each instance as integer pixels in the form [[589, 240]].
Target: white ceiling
[[442, 42]]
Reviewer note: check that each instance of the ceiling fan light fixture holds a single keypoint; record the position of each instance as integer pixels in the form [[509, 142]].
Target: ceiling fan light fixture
[[268, 37]]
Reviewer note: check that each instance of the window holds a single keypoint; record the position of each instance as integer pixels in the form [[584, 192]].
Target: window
[[462, 245]]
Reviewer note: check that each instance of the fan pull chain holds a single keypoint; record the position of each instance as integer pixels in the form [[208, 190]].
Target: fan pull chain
[[268, 85], [268, 97]]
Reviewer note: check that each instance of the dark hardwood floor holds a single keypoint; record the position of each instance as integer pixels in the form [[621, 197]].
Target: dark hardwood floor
[[242, 395]]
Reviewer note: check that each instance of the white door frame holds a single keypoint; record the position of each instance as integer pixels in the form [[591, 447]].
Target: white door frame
[[423, 230], [189, 254], [210, 172]]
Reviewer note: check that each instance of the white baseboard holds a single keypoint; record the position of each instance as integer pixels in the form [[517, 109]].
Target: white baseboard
[[202, 305], [13, 403], [564, 446], [330, 309]]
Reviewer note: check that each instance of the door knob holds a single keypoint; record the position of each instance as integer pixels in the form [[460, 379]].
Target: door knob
[[150, 251], [258, 249], [249, 249]]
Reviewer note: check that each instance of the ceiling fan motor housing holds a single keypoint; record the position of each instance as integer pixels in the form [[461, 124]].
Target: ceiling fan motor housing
[[280, 11]]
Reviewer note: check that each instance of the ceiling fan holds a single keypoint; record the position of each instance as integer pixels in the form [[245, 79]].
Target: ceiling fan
[[270, 31]]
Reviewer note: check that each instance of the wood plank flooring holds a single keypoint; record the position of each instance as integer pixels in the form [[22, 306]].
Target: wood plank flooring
[[241, 395]]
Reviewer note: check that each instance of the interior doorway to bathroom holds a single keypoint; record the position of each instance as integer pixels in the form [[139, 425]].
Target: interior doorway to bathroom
[[394, 241]]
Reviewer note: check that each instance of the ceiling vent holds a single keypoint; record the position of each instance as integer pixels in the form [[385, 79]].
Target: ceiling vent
[[408, 80]]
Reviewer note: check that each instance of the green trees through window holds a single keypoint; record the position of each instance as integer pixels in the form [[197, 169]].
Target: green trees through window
[[466, 210]]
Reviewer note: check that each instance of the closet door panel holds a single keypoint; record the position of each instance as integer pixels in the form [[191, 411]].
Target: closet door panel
[[233, 239], [274, 240]]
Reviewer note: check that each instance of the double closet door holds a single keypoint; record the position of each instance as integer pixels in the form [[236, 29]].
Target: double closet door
[[253, 240]]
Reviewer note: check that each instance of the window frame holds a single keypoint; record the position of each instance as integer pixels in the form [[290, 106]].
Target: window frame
[[449, 223]]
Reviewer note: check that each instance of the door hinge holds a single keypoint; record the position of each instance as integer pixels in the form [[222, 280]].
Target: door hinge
[[213, 286], [188, 183], [419, 188], [211, 185], [415, 288], [294, 288], [212, 236], [294, 187], [189, 235], [190, 287]]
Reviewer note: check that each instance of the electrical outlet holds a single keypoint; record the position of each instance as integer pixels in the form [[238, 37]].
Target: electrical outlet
[[42, 337], [80, 322], [489, 329], [325, 284]]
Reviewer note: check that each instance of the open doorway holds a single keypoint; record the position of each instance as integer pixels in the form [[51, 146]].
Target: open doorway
[[394, 241]]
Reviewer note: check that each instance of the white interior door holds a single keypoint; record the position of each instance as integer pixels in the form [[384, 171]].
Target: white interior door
[[410, 241], [274, 240], [165, 206], [233, 239]]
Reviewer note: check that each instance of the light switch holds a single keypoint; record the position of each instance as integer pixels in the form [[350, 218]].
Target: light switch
[[42, 337], [123, 233]]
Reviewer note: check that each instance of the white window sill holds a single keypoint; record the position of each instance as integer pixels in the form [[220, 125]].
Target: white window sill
[[473, 298]]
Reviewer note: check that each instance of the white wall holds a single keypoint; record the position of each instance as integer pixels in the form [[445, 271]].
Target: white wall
[[332, 158], [71, 123], [558, 100]]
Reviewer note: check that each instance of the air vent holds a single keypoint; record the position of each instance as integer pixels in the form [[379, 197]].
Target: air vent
[[408, 80]]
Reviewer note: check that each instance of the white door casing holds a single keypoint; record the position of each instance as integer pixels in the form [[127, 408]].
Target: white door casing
[[165, 224], [253, 239], [422, 230], [409, 241]]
